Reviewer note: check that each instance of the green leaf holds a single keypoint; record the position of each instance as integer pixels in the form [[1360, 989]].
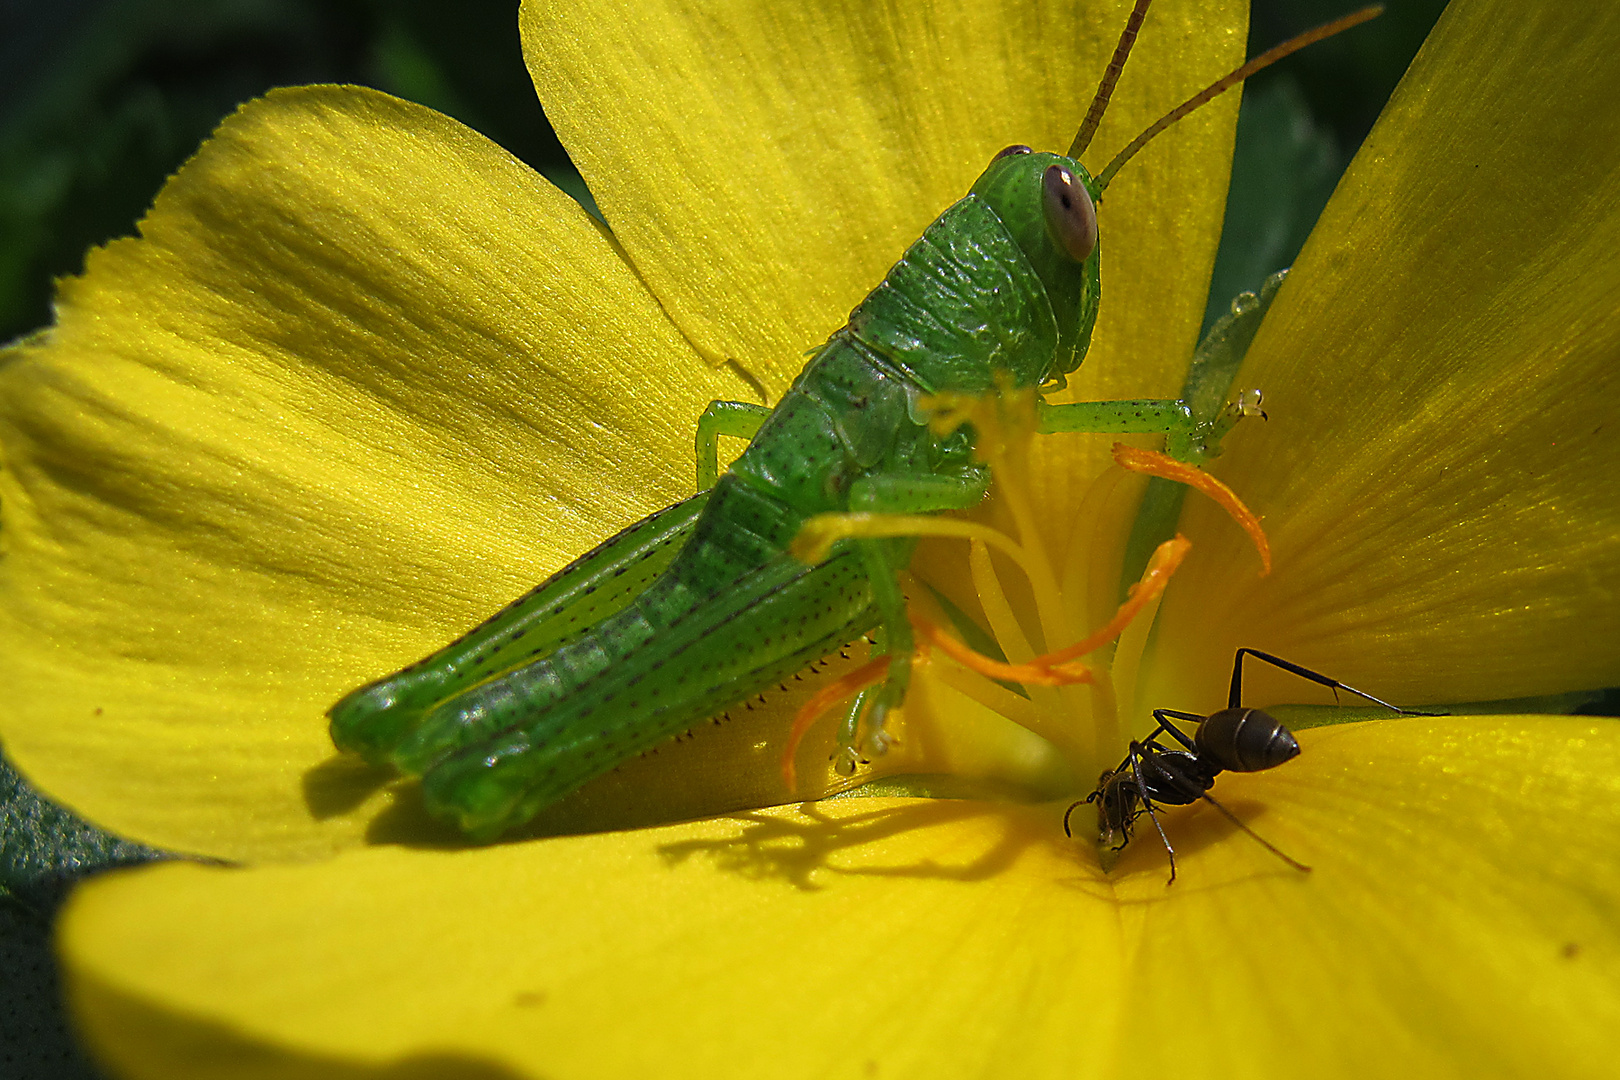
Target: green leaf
[[1283, 170]]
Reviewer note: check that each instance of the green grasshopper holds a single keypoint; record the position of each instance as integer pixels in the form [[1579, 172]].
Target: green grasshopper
[[700, 606]]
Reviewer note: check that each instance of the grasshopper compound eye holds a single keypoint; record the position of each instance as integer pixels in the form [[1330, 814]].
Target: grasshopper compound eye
[[1013, 151], [1071, 217]]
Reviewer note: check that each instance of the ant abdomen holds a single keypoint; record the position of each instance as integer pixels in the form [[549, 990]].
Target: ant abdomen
[[1245, 740]]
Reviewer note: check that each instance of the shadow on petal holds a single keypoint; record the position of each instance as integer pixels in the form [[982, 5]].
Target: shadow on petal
[[341, 783], [771, 845], [1204, 861], [128, 1034]]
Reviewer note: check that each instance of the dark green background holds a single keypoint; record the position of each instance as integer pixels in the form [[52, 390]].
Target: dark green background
[[100, 100]]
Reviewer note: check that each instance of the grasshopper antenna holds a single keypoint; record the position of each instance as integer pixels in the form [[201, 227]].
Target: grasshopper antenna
[[1110, 79], [1226, 82]]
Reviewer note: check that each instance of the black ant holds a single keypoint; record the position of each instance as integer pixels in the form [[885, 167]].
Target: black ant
[[1235, 738]]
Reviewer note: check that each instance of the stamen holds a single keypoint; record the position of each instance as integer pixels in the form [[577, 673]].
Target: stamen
[[817, 535], [850, 683], [1080, 725], [1061, 667], [1154, 463], [998, 699], [998, 611], [1004, 424], [1090, 531], [1166, 560], [1063, 674]]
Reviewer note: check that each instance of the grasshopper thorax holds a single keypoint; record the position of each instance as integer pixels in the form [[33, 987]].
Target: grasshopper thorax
[[1047, 202]]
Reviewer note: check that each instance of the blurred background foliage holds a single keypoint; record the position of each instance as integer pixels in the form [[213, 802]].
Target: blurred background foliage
[[100, 100]]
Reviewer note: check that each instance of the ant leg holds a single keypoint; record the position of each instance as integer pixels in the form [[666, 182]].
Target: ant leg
[[1268, 845], [1235, 698], [1175, 733], [1135, 758]]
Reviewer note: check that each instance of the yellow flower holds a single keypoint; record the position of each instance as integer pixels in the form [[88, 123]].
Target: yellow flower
[[359, 380]]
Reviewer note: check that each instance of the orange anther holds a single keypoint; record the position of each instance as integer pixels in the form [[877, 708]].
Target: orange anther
[[1060, 668], [1154, 463], [1166, 558]]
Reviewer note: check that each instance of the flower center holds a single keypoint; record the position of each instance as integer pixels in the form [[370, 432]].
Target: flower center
[[1051, 677]]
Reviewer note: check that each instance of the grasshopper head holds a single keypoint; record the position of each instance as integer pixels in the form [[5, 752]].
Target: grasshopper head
[[1049, 205]]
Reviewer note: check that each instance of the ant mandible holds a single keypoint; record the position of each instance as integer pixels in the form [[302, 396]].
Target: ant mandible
[[1235, 739]]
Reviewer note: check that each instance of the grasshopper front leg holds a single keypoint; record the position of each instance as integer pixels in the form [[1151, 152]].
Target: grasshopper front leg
[[1194, 424], [884, 560], [1171, 418], [736, 418]]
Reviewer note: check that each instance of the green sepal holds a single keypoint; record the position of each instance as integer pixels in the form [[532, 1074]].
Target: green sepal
[[1214, 366], [45, 848]]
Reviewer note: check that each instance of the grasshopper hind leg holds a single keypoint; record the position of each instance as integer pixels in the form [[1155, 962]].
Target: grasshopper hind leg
[[377, 719]]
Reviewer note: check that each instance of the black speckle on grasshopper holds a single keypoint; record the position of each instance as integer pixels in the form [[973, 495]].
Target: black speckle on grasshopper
[[700, 606]]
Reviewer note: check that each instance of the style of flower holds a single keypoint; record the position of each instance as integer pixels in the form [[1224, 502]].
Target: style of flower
[[358, 380]]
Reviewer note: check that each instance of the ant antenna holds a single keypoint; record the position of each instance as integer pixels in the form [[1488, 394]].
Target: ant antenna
[[1111, 74], [1070, 812], [1268, 845], [1226, 82]]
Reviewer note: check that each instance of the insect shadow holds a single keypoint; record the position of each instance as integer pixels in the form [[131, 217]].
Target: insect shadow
[[341, 784], [793, 849], [1234, 739]]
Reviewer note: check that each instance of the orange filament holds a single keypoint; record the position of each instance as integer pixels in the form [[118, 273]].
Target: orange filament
[[1165, 561], [1034, 673], [852, 682], [1060, 668], [1154, 463]]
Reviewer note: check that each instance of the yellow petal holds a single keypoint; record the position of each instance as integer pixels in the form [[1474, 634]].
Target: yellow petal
[[1440, 476], [365, 378], [765, 166], [1460, 920]]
